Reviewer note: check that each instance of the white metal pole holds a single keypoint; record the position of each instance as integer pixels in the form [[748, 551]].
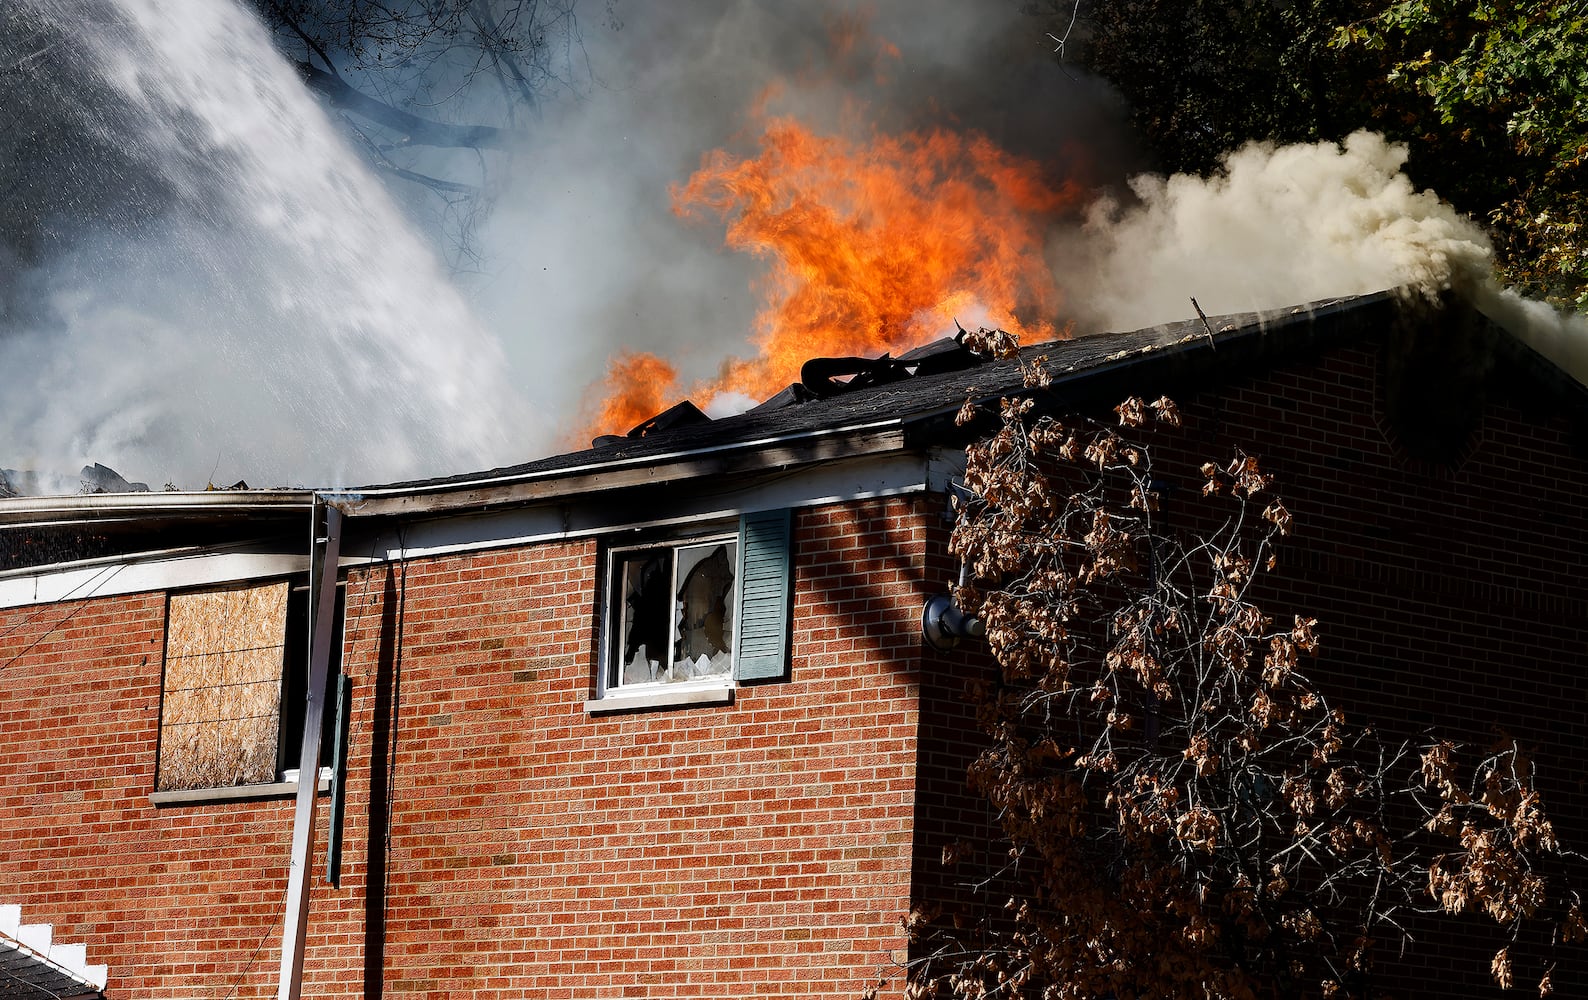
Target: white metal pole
[[326, 545]]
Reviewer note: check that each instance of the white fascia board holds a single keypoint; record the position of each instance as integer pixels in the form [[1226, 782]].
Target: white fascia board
[[114, 578], [865, 478], [862, 478]]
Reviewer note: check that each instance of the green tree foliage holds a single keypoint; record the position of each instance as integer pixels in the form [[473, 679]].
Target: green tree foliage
[[1491, 97], [1508, 81]]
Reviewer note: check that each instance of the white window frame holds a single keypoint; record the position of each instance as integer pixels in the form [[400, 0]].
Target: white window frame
[[611, 693], [763, 593]]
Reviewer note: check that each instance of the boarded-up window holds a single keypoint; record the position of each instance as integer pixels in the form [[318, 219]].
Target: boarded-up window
[[220, 713]]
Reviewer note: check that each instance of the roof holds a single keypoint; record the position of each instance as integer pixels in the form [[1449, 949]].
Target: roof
[[800, 428], [34, 967], [900, 414]]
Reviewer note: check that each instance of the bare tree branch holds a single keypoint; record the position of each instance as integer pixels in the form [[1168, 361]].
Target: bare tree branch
[[414, 129]]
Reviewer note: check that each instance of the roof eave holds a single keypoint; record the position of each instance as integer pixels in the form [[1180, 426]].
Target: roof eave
[[786, 451], [1223, 348], [102, 508]]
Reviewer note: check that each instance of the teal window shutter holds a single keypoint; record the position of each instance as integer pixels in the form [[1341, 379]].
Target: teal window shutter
[[765, 587]]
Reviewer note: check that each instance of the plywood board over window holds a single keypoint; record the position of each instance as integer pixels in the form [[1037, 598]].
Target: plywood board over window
[[220, 710]]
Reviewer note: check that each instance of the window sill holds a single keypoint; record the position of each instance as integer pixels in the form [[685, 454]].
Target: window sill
[[234, 793], [665, 697]]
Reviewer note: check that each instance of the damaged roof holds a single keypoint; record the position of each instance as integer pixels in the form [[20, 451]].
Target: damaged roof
[[804, 425], [891, 406], [799, 425]]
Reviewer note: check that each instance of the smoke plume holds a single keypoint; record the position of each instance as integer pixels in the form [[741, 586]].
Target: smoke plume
[[1277, 226], [200, 280], [1284, 225]]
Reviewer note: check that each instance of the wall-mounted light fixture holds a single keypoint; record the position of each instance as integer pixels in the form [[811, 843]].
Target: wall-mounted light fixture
[[943, 624]]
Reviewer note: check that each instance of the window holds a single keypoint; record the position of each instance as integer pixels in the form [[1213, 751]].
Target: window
[[233, 691], [673, 607], [704, 610]]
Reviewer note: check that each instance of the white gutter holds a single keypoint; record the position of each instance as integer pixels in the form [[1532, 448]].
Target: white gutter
[[31, 512]]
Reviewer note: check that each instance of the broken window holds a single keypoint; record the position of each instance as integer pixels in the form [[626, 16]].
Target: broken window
[[233, 691], [710, 608], [675, 612]]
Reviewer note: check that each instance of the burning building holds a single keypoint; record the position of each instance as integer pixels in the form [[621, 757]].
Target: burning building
[[657, 717]]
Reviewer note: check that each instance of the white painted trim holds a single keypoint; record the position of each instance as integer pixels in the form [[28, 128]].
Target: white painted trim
[[284, 788], [116, 578], [32, 948], [660, 697], [866, 477], [869, 478]]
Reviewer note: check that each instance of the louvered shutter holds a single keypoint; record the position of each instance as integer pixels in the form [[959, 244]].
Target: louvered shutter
[[765, 572]]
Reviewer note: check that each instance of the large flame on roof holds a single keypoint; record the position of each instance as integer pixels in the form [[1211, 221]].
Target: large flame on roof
[[873, 246]]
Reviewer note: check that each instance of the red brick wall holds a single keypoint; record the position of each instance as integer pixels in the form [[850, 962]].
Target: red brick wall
[[757, 849], [1450, 595], [176, 901], [763, 848]]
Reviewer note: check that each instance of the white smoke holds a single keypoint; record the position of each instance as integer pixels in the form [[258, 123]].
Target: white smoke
[[1283, 225], [278, 321], [1278, 226], [1562, 337]]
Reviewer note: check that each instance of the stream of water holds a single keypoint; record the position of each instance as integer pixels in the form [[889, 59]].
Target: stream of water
[[273, 317]]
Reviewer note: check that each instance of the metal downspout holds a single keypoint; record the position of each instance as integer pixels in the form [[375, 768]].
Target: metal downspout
[[325, 550]]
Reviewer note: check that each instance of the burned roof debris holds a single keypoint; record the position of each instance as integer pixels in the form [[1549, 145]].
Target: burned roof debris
[[821, 376], [824, 378], [678, 415], [93, 478]]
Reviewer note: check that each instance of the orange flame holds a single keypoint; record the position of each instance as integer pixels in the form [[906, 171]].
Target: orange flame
[[875, 246], [637, 387]]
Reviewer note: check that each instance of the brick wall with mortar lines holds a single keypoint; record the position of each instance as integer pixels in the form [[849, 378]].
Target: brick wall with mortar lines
[[1450, 596], [757, 849], [536, 851], [177, 901]]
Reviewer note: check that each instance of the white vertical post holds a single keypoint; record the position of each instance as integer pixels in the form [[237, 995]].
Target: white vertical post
[[325, 547]]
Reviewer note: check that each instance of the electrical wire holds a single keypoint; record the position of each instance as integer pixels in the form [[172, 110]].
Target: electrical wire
[[270, 931], [82, 602], [64, 597]]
